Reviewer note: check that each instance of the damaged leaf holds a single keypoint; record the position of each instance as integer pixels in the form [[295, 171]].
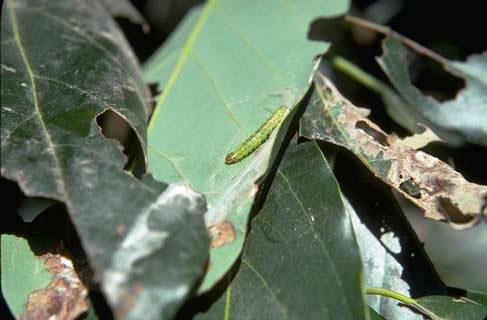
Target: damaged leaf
[[396, 107], [221, 233], [65, 296], [125, 9], [458, 121], [428, 182], [301, 259], [19, 262], [62, 64], [221, 79]]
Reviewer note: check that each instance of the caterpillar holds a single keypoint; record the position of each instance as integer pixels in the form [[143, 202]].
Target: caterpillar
[[258, 137]]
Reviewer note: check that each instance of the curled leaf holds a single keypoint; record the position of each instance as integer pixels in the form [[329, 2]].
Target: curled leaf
[[431, 184]]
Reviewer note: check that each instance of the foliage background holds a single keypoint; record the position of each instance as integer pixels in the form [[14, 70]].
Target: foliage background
[[449, 30]]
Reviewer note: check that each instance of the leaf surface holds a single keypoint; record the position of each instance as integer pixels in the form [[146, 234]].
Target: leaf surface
[[457, 121], [301, 257], [62, 64], [18, 262], [448, 308], [229, 66]]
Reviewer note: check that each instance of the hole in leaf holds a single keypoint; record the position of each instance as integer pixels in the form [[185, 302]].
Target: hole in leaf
[[451, 211], [375, 134], [410, 187], [113, 126], [433, 80]]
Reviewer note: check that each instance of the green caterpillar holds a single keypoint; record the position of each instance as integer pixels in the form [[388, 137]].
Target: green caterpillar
[[258, 137]]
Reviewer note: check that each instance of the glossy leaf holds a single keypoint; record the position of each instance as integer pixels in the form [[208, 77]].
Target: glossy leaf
[[478, 297], [62, 64], [374, 315], [457, 121], [392, 256], [448, 308], [229, 66], [301, 259], [125, 9]]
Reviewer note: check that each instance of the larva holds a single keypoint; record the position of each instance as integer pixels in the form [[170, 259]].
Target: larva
[[258, 137]]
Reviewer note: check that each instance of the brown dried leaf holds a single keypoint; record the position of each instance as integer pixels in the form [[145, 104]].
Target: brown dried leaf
[[431, 184], [420, 140], [65, 296]]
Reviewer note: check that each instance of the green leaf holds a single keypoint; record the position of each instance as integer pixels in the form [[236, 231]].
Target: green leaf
[[222, 74], [448, 308], [301, 258], [381, 266], [478, 297], [374, 315], [457, 121], [22, 272], [438, 307], [29, 208], [62, 64], [125, 9], [52, 88], [392, 256]]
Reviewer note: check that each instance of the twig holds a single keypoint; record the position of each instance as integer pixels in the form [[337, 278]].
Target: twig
[[389, 32]]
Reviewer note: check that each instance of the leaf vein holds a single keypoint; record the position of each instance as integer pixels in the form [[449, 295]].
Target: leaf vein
[[282, 308], [322, 244], [60, 181], [248, 43], [219, 94], [170, 161]]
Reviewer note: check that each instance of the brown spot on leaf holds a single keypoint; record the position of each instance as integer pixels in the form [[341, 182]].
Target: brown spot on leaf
[[64, 297], [127, 300], [121, 229], [123, 308], [221, 233]]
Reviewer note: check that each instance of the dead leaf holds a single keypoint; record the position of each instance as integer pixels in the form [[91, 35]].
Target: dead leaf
[[420, 140], [65, 296], [431, 184]]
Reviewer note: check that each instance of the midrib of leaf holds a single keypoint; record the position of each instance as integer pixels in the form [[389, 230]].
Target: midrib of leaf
[[228, 298], [60, 181], [320, 240], [273, 295], [186, 51]]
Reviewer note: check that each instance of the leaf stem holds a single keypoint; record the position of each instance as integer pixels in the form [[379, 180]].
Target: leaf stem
[[413, 303], [391, 294], [358, 74], [389, 32]]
